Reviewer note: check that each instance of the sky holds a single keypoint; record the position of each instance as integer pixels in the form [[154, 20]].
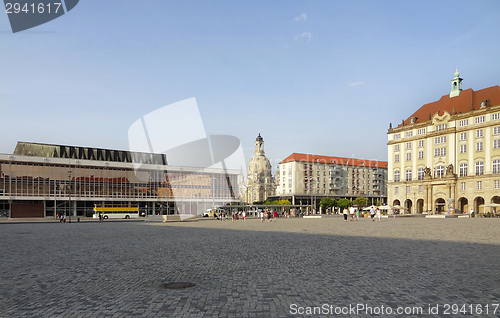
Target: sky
[[321, 77]]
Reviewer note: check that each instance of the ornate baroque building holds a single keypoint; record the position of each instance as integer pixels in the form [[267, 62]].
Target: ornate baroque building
[[447, 154], [260, 182]]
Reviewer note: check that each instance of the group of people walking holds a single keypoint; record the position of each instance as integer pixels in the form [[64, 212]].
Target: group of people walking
[[353, 214], [266, 214]]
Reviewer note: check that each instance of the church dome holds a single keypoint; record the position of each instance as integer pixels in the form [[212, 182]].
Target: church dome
[[259, 138]]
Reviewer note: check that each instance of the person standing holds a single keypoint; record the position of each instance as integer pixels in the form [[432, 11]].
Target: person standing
[[275, 215], [357, 214], [372, 213], [261, 216], [345, 214], [244, 215], [377, 214]]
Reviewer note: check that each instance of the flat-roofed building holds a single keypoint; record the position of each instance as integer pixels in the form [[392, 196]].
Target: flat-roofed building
[[42, 180], [305, 178], [446, 155]]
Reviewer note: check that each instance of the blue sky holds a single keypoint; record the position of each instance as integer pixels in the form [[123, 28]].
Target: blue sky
[[323, 77]]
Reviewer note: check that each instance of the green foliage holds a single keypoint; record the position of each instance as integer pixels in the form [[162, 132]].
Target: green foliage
[[327, 203], [276, 202], [360, 201], [378, 203], [343, 203]]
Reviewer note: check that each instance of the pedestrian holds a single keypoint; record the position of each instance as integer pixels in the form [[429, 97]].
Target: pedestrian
[[268, 216], [275, 215], [60, 218], [244, 215], [261, 216], [64, 218], [372, 213], [377, 213], [232, 217], [357, 214], [345, 214], [351, 212]]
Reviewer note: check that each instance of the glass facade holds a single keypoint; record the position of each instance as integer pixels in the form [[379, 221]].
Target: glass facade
[[158, 188]]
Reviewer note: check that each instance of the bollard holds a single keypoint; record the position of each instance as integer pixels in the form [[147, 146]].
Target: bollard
[[78, 220]]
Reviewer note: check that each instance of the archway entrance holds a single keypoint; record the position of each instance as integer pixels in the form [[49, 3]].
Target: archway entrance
[[478, 202], [408, 205], [440, 205], [463, 205], [495, 199], [420, 205], [396, 202]]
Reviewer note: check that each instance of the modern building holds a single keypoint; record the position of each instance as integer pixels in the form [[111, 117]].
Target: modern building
[[42, 180], [446, 155], [260, 182], [305, 178]]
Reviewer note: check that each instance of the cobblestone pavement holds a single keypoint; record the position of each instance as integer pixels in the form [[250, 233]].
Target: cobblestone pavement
[[251, 269]]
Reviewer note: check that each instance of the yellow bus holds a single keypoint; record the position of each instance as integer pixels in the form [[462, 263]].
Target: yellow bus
[[117, 213]]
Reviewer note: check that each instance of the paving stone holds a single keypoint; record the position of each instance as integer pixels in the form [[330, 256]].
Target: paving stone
[[246, 269]]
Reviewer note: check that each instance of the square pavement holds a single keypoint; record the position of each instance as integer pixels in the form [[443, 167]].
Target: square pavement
[[251, 269]]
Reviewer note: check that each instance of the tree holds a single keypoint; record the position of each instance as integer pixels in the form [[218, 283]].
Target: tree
[[343, 203], [283, 202], [327, 203], [360, 201]]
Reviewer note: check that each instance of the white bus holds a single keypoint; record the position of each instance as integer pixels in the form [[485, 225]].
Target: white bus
[[116, 213]]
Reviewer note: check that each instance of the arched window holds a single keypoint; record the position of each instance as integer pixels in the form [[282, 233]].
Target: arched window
[[420, 173], [479, 168], [463, 169], [397, 176], [408, 174], [496, 166]]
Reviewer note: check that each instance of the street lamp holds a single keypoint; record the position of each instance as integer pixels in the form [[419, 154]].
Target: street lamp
[[69, 201]]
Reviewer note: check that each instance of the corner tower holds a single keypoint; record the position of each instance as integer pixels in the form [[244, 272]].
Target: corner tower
[[456, 85]]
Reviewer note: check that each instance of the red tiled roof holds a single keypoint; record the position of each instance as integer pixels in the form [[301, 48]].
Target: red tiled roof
[[461, 103], [338, 160]]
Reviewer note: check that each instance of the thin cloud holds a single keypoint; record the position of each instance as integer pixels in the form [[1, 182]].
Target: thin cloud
[[304, 35], [355, 84], [301, 17]]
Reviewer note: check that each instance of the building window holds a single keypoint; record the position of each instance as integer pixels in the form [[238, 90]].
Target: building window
[[479, 120], [496, 144], [463, 123], [479, 168], [463, 148], [495, 116], [408, 190], [420, 173], [409, 134], [496, 130], [421, 131], [396, 147], [396, 158], [479, 146], [408, 175], [397, 136], [495, 184], [440, 140], [496, 166], [408, 145], [420, 144], [462, 186], [396, 190], [438, 152], [408, 156], [420, 189], [479, 185], [420, 155], [463, 136], [441, 127], [439, 171], [463, 170], [397, 177], [479, 133]]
